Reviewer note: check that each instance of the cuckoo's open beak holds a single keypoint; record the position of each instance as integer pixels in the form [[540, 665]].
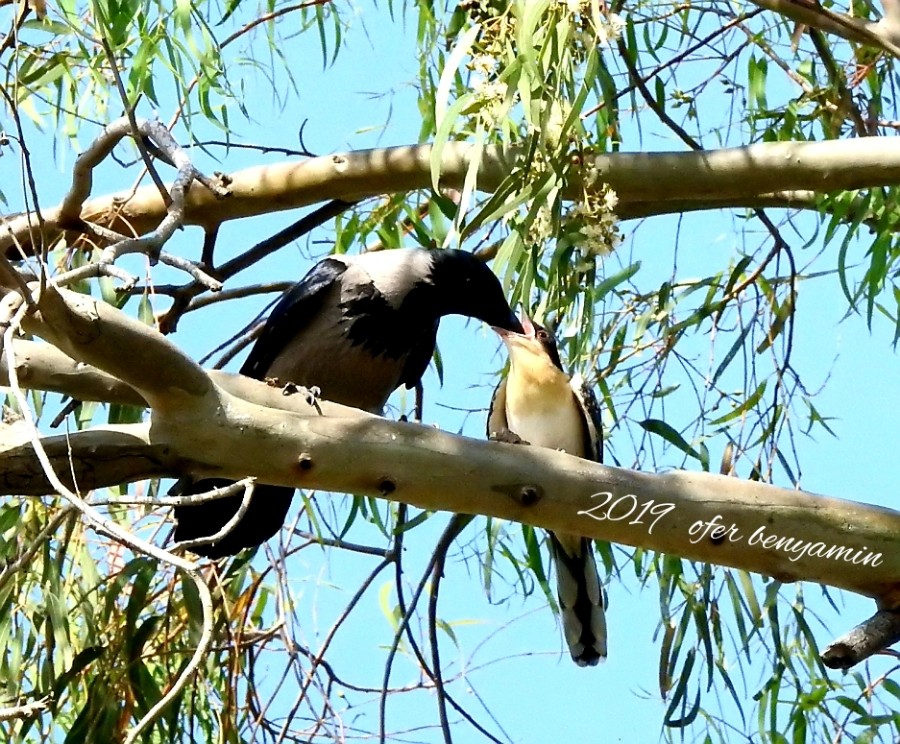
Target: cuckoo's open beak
[[528, 330]]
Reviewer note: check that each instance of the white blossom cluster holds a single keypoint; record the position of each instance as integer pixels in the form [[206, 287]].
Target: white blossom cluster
[[542, 228], [609, 29], [596, 220], [488, 90], [484, 65]]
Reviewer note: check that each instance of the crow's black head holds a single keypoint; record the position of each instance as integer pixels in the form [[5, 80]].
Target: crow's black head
[[464, 285]]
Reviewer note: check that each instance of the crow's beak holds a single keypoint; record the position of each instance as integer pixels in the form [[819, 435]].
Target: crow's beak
[[512, 325], [524, 328]]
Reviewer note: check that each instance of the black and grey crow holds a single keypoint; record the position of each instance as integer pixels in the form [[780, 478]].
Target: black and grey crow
[[356, 327], [539, 404]]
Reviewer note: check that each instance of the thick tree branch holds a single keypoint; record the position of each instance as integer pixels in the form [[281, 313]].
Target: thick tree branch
[[646, 183], [424, 467], [882, 34], [97, 334], [878, 632], [26, 710], [891, 18], [234, 427], [44, 367], [97, 458]]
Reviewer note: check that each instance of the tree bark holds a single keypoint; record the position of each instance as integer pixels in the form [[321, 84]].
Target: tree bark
[[647, 183]]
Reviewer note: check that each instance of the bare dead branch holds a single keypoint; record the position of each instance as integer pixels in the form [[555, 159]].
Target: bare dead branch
[[868, 638], [82, 173], [26, 710], [71, 212], [194, 269]]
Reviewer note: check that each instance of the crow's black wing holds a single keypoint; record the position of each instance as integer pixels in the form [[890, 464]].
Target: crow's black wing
[[420, 353], [294, 311], [269, 505]]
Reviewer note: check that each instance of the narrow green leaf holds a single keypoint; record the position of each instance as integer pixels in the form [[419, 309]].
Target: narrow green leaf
[[608, 284], [747, 405], [663, 430], [735, 348], [388, 609]]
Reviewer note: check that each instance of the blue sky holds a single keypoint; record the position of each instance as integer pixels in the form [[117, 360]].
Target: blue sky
[[522, 671]]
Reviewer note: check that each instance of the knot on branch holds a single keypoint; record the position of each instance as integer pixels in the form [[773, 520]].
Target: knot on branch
[[529, 495]]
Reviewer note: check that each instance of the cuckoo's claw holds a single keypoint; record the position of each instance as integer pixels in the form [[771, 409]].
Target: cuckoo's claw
[[507, 437]]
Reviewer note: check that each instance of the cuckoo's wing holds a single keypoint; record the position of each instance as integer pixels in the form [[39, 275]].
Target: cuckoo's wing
[[496, 420], [592, 418]]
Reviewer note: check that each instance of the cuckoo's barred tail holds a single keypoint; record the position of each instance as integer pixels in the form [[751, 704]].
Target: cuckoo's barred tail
[[580, 598]]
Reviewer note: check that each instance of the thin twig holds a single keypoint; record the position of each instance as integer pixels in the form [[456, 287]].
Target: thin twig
[[238, 293], [398, 633], [344, 545], [337, 624], [94, 270], [129, 112], [677, 58], [457, 524], [200, 276], [294, 231]]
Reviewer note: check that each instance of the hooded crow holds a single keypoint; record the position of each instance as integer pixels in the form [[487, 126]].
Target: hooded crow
[[357, 328], [540, 405]]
